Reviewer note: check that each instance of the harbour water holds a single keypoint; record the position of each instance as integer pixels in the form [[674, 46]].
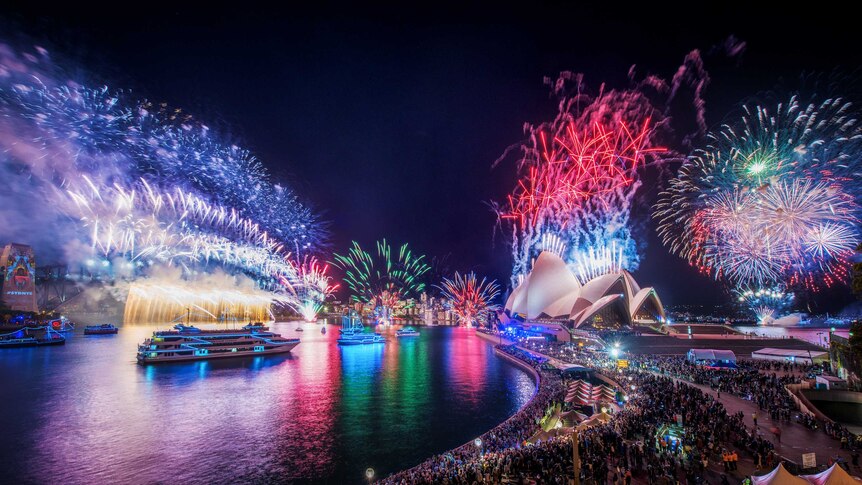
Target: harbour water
[[86, 413]]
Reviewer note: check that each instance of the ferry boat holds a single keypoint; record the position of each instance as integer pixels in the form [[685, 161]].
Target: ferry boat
[[104, 329], [32, 337], [188, 342], [353, 332], [407, 332]]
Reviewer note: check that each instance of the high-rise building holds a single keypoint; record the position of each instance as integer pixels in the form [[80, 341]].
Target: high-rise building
[[18, 277]]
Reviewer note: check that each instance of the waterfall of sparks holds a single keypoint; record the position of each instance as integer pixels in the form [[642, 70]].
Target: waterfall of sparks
[[218, 298]]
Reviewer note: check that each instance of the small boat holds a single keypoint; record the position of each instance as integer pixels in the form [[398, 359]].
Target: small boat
[[361, 339], [352, 332], [407, 332], [104, 329], [299, 329], [32, 337], [186, 329], [256, 327]]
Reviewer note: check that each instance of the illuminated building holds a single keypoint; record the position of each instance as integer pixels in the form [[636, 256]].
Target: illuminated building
[[18, 264], [551, 294]]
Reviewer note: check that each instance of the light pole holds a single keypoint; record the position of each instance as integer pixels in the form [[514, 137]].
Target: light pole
[[369, 474], [478, 443]]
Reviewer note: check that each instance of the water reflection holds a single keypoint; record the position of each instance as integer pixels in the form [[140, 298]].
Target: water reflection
[[85, 412]]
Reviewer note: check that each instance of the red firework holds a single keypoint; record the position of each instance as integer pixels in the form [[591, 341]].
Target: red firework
[[578, 165]]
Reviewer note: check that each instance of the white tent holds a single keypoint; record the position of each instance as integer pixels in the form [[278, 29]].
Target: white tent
[[779, 476], [835, 475], [712, 355], [791, 355]]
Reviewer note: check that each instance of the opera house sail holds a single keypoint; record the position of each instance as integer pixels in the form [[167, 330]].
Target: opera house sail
[[551, 294]]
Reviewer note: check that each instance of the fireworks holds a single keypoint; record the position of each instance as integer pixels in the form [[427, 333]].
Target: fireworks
[[765, 303], [771, 201], [142, 183], [143, 226], [309, 288], [579, 178], [217, 297], [380, 279], [467, 297], [597, 262]]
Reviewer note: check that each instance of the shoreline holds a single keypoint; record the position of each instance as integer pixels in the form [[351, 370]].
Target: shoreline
[[537, 379]]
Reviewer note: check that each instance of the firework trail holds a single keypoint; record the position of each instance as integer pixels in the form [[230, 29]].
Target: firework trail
[[467, 297], [580, 174], [773, 199], [308, 288], [380, 279], [122, 179]]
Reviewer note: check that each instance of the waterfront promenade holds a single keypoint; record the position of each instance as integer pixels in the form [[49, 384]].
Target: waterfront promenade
[[790, 443]]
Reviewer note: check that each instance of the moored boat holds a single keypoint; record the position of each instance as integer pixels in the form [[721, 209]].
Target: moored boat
[[361, 339], [32, 337], [187, 343], [407, 332], [353, 332], [104, 329], [258, 326]]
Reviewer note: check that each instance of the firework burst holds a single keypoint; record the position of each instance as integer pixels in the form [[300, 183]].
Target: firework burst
[[467, 297], [765, 303], [382, 279], [308, 288], [579, 176], [142, 182], [772, 201]]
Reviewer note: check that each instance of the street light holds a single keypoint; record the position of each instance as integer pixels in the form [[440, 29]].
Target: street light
[[478, 443], [369, 474]]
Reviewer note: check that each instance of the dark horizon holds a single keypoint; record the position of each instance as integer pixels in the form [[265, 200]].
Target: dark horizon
[[388, 121]]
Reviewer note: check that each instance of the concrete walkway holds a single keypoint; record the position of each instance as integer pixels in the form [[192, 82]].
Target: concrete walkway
[[795, 438]]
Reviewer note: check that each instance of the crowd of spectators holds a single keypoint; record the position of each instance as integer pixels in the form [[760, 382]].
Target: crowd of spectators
[[631, 446]]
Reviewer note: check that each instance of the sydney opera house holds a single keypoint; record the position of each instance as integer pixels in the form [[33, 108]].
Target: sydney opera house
[[551, 300]]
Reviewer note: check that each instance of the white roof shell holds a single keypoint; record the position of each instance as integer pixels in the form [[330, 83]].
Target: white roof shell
[[551, 290]]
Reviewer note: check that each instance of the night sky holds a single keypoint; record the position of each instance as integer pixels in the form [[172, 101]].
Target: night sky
[[388, 121]]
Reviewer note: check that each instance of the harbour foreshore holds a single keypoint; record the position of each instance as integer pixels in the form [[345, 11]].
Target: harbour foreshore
[[497, 433]]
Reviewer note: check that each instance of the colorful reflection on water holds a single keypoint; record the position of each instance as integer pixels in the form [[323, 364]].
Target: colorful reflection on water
[[86, 413]]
